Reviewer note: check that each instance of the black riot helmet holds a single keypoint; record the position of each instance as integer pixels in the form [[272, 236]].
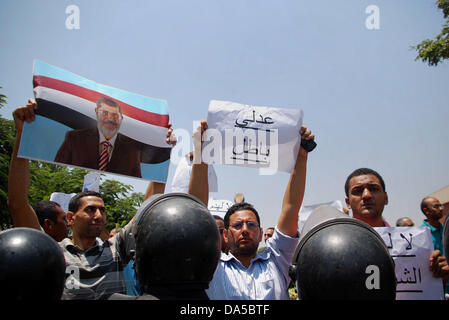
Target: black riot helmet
[[177, 242], [32, 266], [341, 258]]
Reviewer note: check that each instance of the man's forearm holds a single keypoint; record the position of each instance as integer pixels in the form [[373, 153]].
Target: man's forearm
[[18, 184], [293, 197], [199, 182]]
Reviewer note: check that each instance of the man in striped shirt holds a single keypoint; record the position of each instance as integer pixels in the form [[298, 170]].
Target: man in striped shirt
[[94, 269]]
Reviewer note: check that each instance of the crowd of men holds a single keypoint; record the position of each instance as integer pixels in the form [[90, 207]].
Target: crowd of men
[[230, 267]]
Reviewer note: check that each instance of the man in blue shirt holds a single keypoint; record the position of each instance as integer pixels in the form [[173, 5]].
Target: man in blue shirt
[[433, 210], [243, 273]]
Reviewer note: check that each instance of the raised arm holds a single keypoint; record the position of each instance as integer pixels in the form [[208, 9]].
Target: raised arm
[[22, 213], [199, 180], [294, 194]]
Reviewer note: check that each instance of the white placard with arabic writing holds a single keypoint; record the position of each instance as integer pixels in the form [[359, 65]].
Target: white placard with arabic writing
[[219, 207], [252, 136], [411, 248]]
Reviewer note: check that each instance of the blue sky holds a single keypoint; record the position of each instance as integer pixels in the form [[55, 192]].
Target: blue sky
[[368, 101]]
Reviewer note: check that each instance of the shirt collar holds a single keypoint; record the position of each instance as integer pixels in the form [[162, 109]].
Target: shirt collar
[[102, 138], [265, 255], [69, 246], [432, 228]]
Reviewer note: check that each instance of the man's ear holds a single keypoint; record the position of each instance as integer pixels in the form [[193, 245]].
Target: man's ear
[[69, 217], [347, 203], [386, 198], [225, 234], [48, 224], [261, 235]]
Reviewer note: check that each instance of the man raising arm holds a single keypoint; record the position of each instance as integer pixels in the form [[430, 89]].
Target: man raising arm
[[244, 274]]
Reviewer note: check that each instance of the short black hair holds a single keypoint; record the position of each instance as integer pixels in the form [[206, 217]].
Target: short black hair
[[46, 209], [109, 102], [75, 202], [424, 203], [217, 217], [239, 207], [401, 222], [362, 172]]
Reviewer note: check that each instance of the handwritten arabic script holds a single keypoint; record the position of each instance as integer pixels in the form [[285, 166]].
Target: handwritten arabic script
[[252, 136], [410, 248]]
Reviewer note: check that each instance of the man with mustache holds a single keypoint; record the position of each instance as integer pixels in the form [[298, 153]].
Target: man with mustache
[[94, 269], [366, 197], [243, 273], [104, 148]]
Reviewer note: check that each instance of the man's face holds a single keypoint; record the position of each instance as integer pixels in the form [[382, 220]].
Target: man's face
[[109, 120], [60, 227], [434, 209], [268, 234], [220, 225], [244, 233], [366, 197], [89, 220]]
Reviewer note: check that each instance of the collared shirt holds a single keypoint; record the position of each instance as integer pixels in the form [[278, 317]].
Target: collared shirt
[[111, 141], [437, 236], [96, 273], [266, 277]]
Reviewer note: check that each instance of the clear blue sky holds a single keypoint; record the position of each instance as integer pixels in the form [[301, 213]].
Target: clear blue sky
[[363, 95]]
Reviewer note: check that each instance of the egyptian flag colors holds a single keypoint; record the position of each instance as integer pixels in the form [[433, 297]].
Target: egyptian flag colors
[[71, 100]]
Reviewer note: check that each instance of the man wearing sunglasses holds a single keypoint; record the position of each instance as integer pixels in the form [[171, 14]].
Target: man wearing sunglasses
[[243, 273]]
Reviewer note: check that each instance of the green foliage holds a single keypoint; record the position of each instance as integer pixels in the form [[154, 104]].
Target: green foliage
[[121, 203], [7, 138], [2, 99], [437, 50], [120, 200]]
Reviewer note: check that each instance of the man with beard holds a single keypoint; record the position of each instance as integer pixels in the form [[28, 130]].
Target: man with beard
[[243, 273], [94, 269], [102, 148]]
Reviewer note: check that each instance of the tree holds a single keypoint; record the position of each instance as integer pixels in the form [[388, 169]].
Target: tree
[[2, 99], [45, 178], [7, 138], [435, 51], [121, 203]]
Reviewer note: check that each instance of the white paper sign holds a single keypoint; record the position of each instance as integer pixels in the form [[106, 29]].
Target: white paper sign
[[62, 199], [92, 181], [181, 178], [305, 211], [411, 248], [252, 136], [219, 207]]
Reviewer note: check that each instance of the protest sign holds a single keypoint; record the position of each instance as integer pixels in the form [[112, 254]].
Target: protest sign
[[181, 178], [219, 207], [410, 248], [62, 199], [92, 181], [305, 211], [252, 136], [75, 115]]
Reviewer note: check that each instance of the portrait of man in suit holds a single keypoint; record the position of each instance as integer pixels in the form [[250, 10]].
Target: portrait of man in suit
[[104, 148]]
